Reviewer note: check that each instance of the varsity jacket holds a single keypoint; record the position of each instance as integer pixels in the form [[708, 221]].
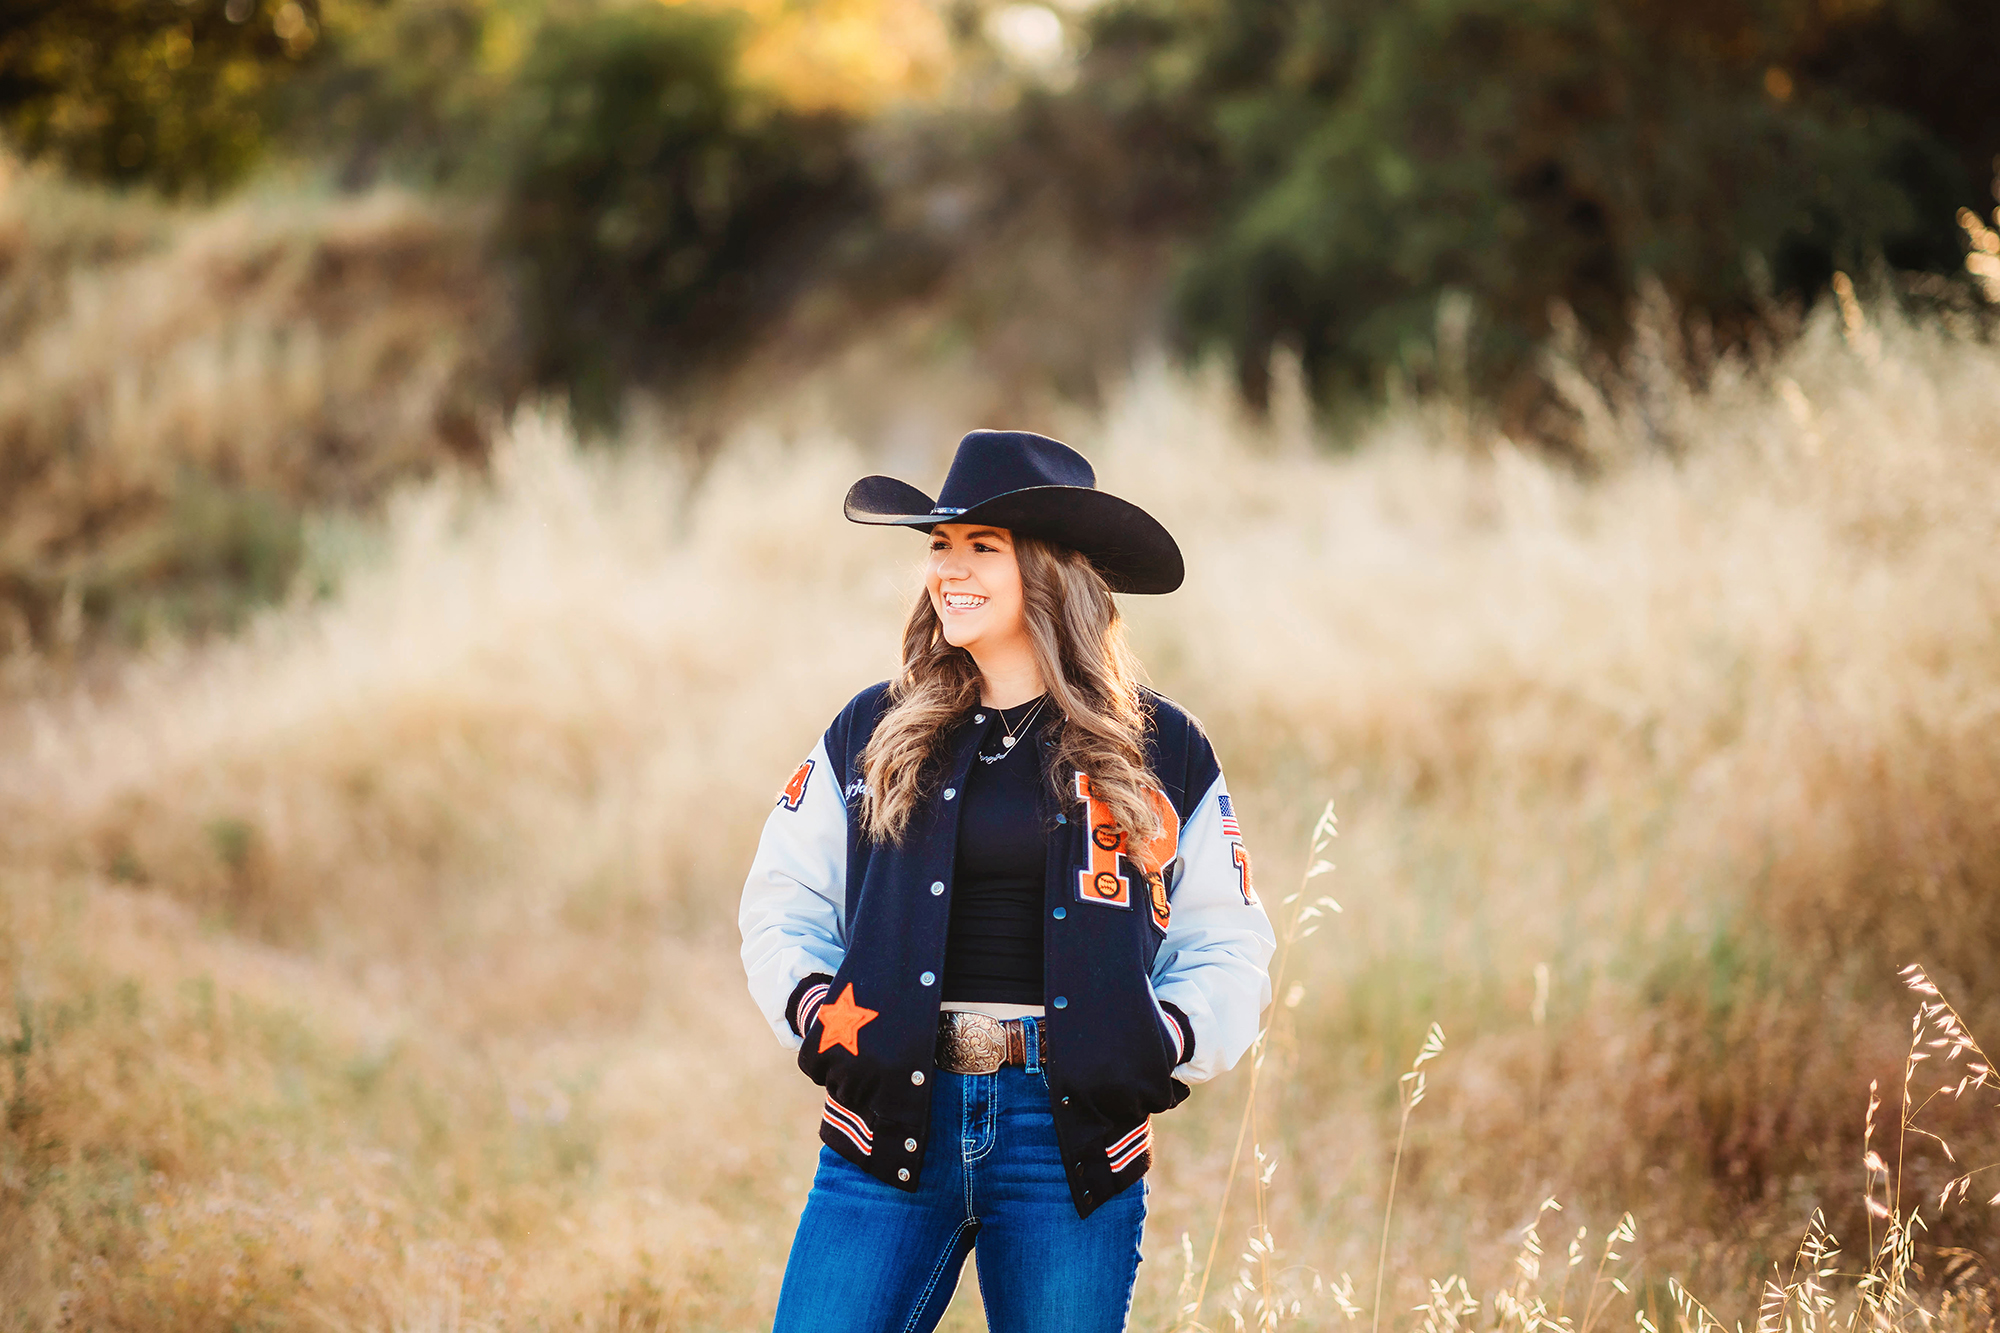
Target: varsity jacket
[[844, 943]]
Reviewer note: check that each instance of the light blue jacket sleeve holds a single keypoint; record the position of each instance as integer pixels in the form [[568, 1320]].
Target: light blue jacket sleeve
[[793, 913], [1214, 964]]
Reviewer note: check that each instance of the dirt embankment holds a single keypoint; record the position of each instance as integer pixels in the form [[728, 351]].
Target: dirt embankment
[[180, 389]]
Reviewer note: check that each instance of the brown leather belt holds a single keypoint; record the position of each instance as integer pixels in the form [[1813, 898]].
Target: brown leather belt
[[978, 1043]]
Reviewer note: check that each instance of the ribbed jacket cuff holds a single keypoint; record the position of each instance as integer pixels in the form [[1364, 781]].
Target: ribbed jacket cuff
[[807, 997], [1186, 1033]]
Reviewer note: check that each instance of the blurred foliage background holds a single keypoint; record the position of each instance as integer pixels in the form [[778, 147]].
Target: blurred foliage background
[[1345, 165], [634, 201], [1330, 171], [626, 202]]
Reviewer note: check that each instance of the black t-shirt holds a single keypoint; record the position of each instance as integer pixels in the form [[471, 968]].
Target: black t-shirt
[[993, 950]]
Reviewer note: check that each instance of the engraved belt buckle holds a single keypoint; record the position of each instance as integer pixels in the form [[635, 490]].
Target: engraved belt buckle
[[971, 1043]]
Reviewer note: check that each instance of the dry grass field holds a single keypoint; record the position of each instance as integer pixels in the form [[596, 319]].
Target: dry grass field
[[375, 968], [179, 384]]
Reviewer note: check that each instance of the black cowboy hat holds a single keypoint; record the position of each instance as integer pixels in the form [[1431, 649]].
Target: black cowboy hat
[[1035, 485]]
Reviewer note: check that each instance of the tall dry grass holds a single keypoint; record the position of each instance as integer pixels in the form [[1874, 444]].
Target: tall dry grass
[[177, 385], [375, 968]]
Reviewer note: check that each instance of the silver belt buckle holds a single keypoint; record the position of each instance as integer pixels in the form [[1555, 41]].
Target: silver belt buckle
[[971, 1043]]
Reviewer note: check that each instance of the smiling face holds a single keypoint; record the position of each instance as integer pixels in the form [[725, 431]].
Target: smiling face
[[975, 588]]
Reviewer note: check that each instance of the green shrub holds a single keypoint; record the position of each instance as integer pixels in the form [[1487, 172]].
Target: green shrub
[[212, 557], [188, 96], [1352, 166], [657, 210], [174, 93], [408, 89]]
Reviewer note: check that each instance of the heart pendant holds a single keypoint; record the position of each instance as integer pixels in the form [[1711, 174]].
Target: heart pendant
[[1007, 741]]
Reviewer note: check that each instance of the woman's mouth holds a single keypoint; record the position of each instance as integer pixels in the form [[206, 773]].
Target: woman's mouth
[[963, 601]]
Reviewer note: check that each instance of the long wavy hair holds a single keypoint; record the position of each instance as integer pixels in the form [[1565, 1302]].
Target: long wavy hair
[[1078, 638]]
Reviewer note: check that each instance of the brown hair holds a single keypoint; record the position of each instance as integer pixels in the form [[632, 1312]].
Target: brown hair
[[1078, 638]]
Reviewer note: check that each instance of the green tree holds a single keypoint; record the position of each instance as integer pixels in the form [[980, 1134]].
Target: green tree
[[657, 210], [412, 89], [1346, 165], [171, 92]]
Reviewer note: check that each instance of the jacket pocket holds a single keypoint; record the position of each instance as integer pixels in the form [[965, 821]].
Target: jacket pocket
[[850, 1125]]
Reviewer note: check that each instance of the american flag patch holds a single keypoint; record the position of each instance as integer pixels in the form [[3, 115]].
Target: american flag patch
[[1230, 828]]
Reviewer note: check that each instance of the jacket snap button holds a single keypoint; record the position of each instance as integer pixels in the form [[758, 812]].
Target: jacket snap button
[[903, 1174], [1062, 1001], [979, 717], [1061, 912], [937, 888], [950, 792], [909, 1145], [1065, 1101], [927, 978], [917, 1077]]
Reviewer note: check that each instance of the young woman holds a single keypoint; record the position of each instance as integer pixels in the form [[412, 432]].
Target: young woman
[[1004, 914]]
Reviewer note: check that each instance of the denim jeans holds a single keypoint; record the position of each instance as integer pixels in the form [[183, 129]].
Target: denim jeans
[[869, 1258]]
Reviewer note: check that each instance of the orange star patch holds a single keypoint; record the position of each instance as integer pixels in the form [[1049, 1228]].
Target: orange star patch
[[840, 1023]]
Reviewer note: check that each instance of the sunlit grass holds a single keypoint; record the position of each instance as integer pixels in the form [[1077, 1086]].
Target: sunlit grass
[[376, 968]]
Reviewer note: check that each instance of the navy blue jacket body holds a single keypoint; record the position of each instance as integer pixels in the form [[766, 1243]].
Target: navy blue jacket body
[[1152, 980]]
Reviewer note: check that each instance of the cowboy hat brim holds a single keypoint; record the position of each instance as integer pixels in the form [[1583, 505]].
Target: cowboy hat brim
[[1130, 548]]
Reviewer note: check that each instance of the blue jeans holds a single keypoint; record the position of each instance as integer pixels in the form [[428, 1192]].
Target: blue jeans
[[869, 1258]]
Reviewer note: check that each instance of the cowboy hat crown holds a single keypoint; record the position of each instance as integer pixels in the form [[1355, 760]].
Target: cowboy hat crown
[[1031, 484]]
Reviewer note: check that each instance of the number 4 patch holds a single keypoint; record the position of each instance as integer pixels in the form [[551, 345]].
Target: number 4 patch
[[795, 790]]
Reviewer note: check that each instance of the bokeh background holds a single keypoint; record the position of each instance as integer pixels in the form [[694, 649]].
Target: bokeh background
[[422, 430]]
